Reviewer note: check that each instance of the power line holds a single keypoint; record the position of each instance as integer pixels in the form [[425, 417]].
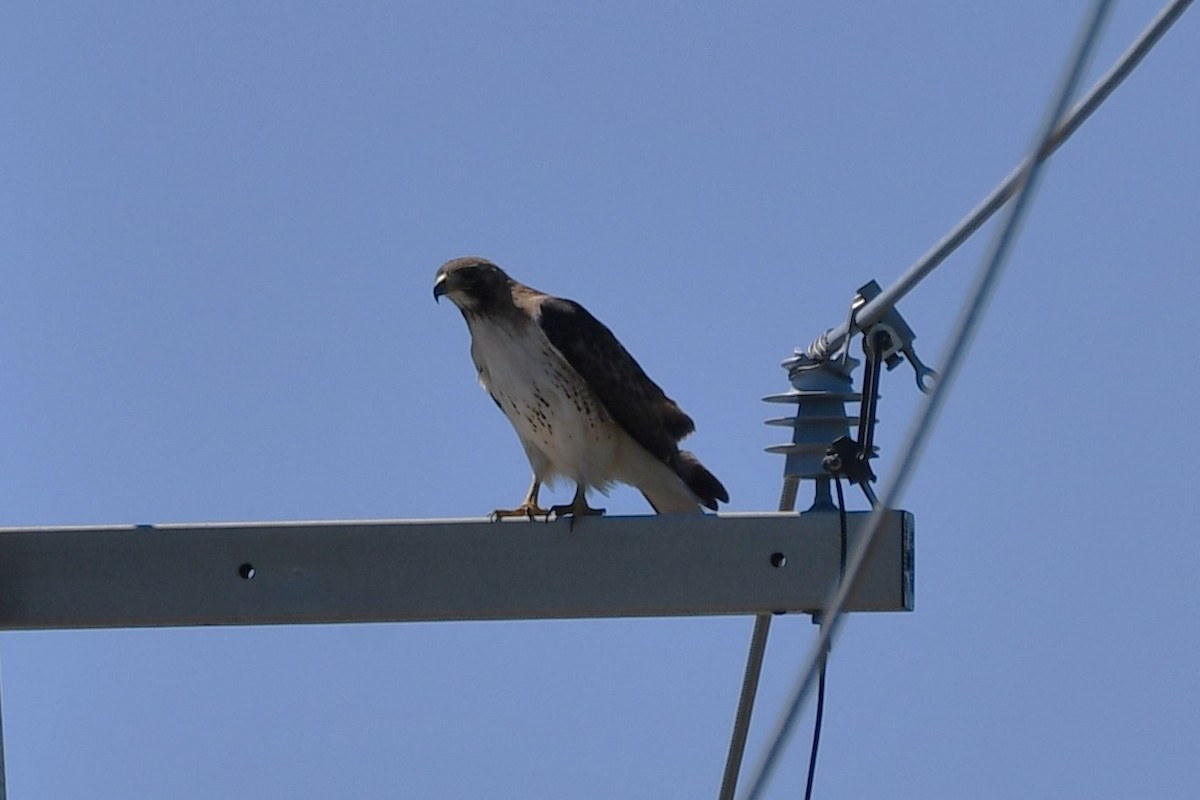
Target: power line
[[870, 313], [1026, 184]]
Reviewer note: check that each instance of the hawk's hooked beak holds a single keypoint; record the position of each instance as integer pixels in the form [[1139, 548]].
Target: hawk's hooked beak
[[440, 287]]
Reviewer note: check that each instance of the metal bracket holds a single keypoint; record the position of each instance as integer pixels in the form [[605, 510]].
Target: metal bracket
[[901, 339], [849, 458]]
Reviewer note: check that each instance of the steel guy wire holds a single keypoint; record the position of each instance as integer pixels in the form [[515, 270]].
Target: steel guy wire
[[960, 339], [870, 313]]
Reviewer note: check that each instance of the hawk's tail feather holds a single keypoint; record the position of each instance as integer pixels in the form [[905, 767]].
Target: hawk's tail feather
[[704, 484]]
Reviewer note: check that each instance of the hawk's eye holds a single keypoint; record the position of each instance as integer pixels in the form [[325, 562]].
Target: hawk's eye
[[470, 274]]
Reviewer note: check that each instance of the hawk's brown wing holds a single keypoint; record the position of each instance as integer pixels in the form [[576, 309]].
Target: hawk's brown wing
[[636, 403]]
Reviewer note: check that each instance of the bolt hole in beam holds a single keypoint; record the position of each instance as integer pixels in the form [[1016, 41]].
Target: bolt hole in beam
[[778, 560], [247, 571]]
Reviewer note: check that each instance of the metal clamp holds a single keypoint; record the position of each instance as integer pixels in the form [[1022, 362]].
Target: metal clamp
[[901, 339]]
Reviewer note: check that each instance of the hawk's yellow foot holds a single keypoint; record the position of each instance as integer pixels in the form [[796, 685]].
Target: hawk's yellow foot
[[528, 509]]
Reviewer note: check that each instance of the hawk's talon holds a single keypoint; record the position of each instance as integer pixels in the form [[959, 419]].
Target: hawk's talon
[[576, 509], [570, 510], [530, 511]]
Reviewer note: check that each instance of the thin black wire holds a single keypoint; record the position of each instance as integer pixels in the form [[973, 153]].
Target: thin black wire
[[960, 340], [820, 715], [842, 518], [812, 758]]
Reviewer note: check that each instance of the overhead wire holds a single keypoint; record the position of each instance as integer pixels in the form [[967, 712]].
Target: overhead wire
[[871, 312], [960, 339]]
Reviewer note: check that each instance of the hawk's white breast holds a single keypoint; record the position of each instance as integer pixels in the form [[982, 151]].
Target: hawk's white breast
[[563, 427]]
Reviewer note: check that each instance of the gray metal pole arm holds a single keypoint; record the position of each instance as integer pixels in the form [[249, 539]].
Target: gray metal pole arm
[[412, 570]]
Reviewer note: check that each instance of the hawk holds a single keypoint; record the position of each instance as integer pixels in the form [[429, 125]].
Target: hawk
[[581, 405]]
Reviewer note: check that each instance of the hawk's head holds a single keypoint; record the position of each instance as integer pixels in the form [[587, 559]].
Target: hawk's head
[[473, 284]]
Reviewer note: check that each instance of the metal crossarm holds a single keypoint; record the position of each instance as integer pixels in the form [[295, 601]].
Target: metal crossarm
[[421, 570]]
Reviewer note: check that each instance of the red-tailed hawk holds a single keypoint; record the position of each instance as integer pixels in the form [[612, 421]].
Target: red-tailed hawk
[[582, 407]]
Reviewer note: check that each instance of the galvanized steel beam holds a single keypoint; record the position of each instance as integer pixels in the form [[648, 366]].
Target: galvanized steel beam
[[426, 570]]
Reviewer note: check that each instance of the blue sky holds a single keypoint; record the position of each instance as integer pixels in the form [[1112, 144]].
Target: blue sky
[[219, 230]]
